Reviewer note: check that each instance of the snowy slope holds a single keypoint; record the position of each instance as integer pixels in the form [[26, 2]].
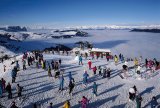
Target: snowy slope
[[112, 93]]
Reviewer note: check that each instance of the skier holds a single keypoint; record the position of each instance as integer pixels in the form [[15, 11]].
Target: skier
[[24, 65], [99, 70], [66, 104], [61, 80], [85, 78], [94, 89], [89, 64], [84, 102], [154, 102], [13, 105], [71, 86], [50, 105], [138, 101], [49, 72], [9, 90], [3, 84], [1, 89], [80, 60], [94, 70], [19, 90]]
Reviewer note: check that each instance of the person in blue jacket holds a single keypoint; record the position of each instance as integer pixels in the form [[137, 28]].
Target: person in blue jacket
[[13, 74], [80, 60], [85, 78], [154, 102], [61, 80], [1, 89], [70, 77], [94, 89]]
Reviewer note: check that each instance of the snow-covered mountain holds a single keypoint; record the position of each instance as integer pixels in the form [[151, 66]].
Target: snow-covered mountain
[[116, 27]]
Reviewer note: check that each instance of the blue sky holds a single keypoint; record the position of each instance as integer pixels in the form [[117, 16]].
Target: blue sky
[[79, 12]]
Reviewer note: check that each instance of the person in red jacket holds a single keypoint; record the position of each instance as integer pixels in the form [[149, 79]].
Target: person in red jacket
[[94, 70], [89, 64]]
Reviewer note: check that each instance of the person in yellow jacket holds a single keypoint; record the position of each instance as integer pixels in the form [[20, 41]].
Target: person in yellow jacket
[[135, 62], [66, 104], [116, 59]]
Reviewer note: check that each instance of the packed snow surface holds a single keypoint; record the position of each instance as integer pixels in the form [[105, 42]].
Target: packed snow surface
[[112, 93]]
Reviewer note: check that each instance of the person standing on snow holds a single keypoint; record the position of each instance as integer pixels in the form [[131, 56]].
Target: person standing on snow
[[71, 86], [94, 70], [138, 101], [132, 93], [52, 64], [84, 102], [154, 102], [60, 61], [9, 90], [66, 104], [94, 89], [104, 73], [3, 84], [85, 78], [138, 69], [17, 66], [1, 89], [108, 73], [89, 64], [24, 65], [37, 64], [116, 60], [80, 60], [19, 90], [49, 72], [4, 67], [70, 77], [92, 55], [61, 80], [100, 70], [13, 74], [107, 56], [135, 62]]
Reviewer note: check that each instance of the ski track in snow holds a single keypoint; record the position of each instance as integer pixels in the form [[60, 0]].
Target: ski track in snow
[[112, 93]]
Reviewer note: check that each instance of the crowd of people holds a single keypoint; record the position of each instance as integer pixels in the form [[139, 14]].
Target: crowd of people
[[53, 68]]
